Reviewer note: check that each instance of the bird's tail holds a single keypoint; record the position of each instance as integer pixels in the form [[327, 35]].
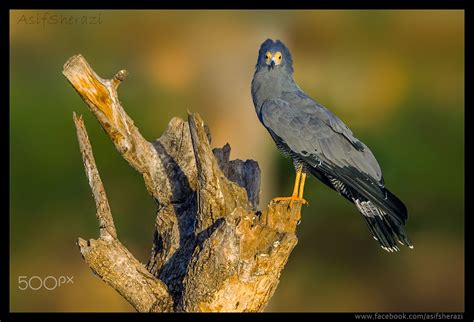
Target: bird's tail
[[385, 219], [383, 212]]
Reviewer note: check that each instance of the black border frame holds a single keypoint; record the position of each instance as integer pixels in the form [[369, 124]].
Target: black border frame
[[6, 315]]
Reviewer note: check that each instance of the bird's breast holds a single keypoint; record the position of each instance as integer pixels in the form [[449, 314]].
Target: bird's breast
[[268, 85]]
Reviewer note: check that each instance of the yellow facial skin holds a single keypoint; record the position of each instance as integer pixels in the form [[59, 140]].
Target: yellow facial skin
[[276, 57]]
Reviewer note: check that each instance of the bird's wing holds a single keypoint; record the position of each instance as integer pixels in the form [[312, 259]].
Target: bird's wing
[[354, 172], [309, 133], [305, 103]]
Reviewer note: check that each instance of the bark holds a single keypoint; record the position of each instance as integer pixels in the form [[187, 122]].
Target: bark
[[212, 249]]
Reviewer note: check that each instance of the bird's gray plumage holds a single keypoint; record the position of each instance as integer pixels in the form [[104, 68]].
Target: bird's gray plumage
[[319, 141]]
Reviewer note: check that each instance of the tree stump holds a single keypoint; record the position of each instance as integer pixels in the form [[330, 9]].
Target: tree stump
[[212, 249]]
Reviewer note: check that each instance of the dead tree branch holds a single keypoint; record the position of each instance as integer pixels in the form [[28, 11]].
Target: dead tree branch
[[107, 257], [212, 250]]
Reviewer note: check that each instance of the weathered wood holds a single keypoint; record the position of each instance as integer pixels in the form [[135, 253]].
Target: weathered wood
[[212, 250], [107, 257], [104, 215]]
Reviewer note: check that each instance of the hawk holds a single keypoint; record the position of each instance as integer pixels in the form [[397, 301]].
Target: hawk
[[320, 144]]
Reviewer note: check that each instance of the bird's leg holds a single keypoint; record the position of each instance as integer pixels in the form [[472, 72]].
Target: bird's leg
[[297, 189], [301, 188]]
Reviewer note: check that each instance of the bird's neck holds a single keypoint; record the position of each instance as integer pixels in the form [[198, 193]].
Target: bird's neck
[[269, 84]]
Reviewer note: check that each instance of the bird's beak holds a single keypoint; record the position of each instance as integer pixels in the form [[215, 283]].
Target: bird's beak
[[272, 63]]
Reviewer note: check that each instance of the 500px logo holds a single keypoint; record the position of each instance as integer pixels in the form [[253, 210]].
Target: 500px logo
[[48, 283], [47, 18]]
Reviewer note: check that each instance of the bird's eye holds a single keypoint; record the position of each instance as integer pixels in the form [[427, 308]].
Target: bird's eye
[[278, 58], [268, 56]]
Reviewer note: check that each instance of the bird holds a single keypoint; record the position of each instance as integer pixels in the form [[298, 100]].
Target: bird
[[322, 145]]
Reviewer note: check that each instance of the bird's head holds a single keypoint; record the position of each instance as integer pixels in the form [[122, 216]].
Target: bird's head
[[274, 55]]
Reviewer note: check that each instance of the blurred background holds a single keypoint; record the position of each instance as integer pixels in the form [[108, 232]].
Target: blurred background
[[395, 77]]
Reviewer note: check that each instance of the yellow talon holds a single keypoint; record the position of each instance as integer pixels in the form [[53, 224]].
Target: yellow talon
[[297, 189], [293, 199]]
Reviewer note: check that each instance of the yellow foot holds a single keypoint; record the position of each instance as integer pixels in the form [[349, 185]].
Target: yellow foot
[[292, 200]]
